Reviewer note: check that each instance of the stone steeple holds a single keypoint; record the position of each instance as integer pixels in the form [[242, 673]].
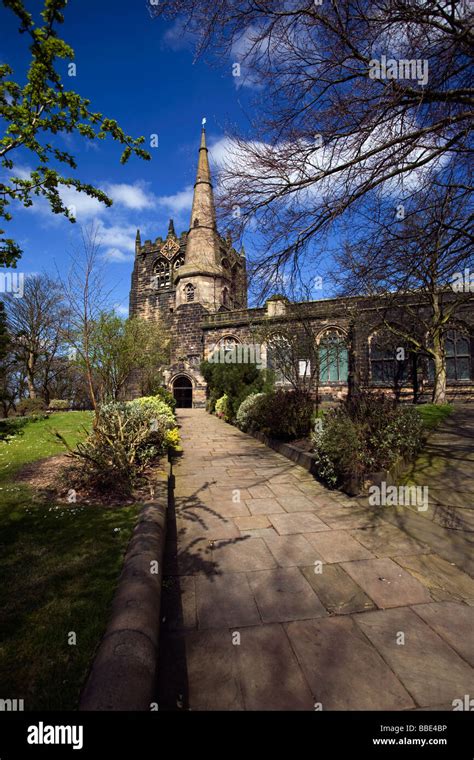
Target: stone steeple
[[202, 268], [171, 231]]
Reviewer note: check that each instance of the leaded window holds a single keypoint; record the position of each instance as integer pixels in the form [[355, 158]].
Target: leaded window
[[333, 358]]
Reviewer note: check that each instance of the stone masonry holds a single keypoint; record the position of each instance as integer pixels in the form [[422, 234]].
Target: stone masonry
[[282, 595], [196, 284]]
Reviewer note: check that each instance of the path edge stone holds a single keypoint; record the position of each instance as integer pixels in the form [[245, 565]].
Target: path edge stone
[[124, 669], [298, 456], [307, 460]]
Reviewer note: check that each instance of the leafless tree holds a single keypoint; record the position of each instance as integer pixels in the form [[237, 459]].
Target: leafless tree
[[87, 299], [35, 323], [420, 270], [353, 99]]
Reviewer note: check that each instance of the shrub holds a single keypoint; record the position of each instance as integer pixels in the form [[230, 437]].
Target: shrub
[[223, 407], [11, 426], [29, 406], [236, 380], [126, 436], [402, 437], [339, 449], [365, 435], [285, 415], [165, 395], [161, 418], [247, 412], [59, 405], [279, 414], [154, 406], [172, 439], [211, 401]]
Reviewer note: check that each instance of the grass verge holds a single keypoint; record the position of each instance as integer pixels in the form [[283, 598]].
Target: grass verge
[[433, 414], [59, 566]]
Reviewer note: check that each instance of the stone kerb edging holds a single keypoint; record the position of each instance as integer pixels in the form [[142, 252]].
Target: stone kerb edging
[[298, 456], [307, 460], [123, 673]]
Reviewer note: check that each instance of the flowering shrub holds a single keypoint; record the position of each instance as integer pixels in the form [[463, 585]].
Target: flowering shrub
[[172, 439], [166, 396], [247, 412], [59, 405], [223, 407], [154, 406], [125, 437]]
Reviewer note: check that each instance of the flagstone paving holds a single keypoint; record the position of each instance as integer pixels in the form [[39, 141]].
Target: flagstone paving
[[282, 595]]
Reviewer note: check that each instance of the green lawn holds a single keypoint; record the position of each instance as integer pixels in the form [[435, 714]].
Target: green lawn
[[433, 414], [59, 565]]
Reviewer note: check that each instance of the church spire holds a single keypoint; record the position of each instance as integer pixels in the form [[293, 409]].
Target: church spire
[[202, 244], [203, 212]]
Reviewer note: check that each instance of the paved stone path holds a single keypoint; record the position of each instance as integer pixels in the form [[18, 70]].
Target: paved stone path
[[282, 595], [446, 466]]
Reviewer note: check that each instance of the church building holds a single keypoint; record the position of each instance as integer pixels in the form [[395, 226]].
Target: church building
[[196, 284]]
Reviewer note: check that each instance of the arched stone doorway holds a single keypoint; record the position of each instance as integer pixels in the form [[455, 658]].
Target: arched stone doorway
[[183, 392]]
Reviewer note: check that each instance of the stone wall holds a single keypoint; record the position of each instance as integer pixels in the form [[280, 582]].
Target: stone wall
[[197, 331]]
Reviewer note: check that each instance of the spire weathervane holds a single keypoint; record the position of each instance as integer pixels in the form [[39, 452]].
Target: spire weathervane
[[203, 122]]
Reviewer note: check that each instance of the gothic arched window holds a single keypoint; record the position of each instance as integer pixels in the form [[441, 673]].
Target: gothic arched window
[[161, 272], [228, 343], [280, 357], [225, 297], [223, 349], [459, 356], [389, 360], [189, 292], [333, 357]]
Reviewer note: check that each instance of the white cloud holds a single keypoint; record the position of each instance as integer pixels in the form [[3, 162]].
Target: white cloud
[[118, 236], [245, 51], [301, 163], [179, 36], [131, 196], [23, 172], [179, 202], [118, 240], [81, 205], [93, 146], [116, 256]]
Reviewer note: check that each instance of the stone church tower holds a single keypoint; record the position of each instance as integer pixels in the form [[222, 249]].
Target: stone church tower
[[181, 280]]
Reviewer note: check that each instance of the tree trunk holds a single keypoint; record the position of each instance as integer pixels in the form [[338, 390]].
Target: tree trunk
[[30, 374], [90, 381], [439, 360], [352, 370]]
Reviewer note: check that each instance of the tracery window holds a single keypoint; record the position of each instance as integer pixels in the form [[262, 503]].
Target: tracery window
[[161, 275], [459, 356], [389, 360]]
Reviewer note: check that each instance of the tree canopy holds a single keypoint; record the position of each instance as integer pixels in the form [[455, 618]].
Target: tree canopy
[[33, 114]]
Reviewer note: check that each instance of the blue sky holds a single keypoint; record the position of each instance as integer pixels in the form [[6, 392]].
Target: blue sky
[[140, 71]]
